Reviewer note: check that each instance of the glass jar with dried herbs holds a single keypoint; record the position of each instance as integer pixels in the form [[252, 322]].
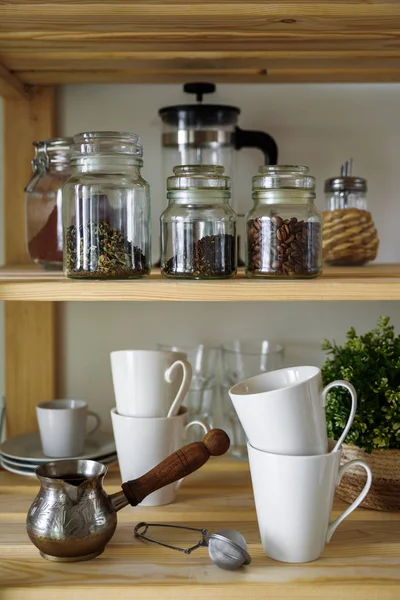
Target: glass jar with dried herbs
[[198, 228], [106, 208]]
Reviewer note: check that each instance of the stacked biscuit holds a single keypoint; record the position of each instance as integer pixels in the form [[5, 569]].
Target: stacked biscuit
[[349, 237]]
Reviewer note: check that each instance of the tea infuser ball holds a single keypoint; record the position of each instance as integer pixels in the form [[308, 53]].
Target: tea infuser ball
[[227, 549]]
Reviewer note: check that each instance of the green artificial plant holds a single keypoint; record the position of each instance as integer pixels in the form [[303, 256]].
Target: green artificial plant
[[371, 362]]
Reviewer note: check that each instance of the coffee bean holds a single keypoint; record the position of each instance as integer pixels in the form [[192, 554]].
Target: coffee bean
[[277, 221]]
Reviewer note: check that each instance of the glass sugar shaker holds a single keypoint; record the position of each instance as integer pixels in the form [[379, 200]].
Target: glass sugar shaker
[[106, 208], [198, 228], [44, 231], [346, 191], [284, 227], [349, 233]]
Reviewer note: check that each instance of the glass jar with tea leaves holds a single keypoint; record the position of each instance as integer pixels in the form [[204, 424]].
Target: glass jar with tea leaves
[[198, 228], [44, 231], [106, 208], [284, 229]]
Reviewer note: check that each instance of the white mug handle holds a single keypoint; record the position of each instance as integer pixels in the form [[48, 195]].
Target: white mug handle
[[332, 526], [206, 429], [186, 381], [353, 393], [96, 417]]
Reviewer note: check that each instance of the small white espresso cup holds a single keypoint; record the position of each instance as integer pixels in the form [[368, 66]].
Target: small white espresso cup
[[294, 498], [63, 427], [283, 411], [148, 383], [143, 442]]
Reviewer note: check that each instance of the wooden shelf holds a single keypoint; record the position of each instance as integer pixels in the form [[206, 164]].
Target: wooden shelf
[[96, 41], [371, 282], [361, 562]]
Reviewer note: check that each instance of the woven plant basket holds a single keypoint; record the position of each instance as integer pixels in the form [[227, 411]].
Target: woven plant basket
[[385, 490], [349, 237]]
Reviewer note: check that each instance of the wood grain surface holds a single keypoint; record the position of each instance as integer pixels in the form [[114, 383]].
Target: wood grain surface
[[11, 87], [29, 326], [370, 282], [227, 40], [361, 563]]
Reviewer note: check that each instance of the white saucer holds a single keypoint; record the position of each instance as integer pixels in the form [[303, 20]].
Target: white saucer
[[30, 472], [27, 448]]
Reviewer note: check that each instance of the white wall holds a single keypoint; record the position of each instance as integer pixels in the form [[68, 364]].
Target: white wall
[[316, 125]]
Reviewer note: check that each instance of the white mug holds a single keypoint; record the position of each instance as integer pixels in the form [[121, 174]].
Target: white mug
[[147, 382], [283, 411], [294, 498], [142, 443], [63, 427]]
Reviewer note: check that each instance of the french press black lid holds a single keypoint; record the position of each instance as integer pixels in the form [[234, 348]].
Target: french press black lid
[[192, 117]]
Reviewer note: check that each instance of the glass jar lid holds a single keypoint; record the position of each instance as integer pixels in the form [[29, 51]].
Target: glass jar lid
[[199, 177], [106, 143], [53, 151], [283, 177]]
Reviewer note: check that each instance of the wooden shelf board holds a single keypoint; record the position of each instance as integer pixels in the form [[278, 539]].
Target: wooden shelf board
[[176, 40], [362, 561], [370, 282]]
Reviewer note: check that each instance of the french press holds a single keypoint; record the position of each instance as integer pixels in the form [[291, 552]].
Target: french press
[[208, 134]]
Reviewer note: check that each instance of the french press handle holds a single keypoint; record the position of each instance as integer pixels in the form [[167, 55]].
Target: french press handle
[[245, 138]]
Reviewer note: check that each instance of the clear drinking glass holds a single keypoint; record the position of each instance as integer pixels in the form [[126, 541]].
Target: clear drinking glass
[[242, 359], [202, 397]]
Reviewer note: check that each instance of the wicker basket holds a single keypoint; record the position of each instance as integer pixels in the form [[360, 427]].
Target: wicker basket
[[349, 237], [385, 490]]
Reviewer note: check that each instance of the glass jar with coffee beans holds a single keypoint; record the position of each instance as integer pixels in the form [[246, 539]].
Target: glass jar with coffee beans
[[284, 229], [106, 208], [198, 228]]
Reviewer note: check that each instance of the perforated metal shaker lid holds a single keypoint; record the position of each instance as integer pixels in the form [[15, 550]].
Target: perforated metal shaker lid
[[346, 182]]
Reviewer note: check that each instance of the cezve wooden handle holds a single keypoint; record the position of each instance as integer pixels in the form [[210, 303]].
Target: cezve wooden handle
[[179, 464]]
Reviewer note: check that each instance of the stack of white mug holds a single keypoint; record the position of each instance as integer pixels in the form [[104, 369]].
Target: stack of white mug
[[149, 422], [294, 466]]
